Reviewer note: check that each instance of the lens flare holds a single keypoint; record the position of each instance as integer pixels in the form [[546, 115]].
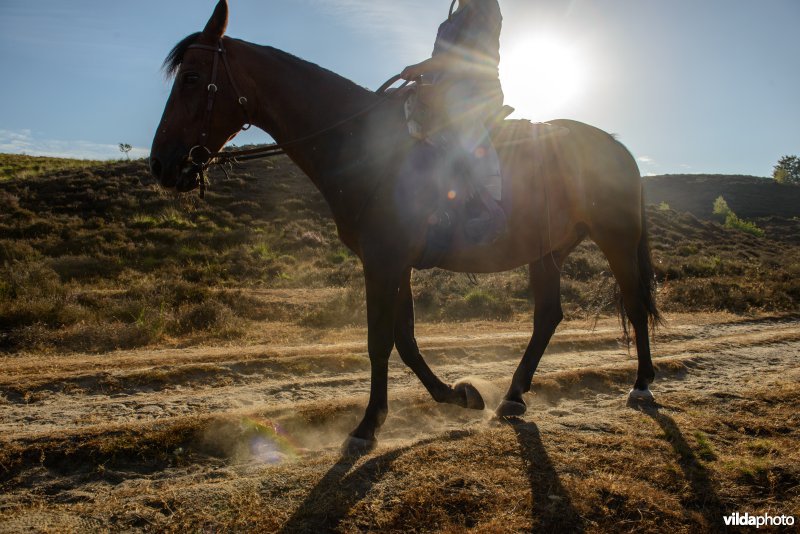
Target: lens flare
[[268, 443]]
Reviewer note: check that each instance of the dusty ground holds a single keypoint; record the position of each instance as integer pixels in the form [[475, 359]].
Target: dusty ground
[[245, 438]]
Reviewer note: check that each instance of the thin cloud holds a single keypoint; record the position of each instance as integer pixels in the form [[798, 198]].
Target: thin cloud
[[398, 22], [647, 160], [24, 142]]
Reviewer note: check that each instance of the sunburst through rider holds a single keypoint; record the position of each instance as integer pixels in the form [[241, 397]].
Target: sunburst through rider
[[464, 70]]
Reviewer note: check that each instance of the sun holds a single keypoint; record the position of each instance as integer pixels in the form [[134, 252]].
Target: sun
[[541, 76]]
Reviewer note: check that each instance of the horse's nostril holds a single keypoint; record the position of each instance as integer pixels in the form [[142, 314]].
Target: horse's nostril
[[155, 168]]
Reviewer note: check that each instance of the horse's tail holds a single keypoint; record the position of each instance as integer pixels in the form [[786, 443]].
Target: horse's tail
[[647, 280], [647, 275]]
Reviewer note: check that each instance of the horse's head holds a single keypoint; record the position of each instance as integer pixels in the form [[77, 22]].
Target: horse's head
[[204, 110]]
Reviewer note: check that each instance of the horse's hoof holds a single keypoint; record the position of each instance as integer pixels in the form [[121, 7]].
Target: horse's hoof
[[640, 395], [509, 408], [355, 447], [469, 395]]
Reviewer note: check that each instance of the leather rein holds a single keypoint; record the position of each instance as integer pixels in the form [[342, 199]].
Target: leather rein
[[202, 158]]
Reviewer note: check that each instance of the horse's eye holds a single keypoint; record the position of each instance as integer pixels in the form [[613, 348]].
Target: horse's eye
[[190, 78]]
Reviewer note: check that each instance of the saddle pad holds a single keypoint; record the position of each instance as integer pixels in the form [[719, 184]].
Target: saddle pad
[[518, 131]]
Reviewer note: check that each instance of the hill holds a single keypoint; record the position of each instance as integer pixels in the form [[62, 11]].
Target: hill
[[22, 166], [748, 196], [101, 258], [246, 366]]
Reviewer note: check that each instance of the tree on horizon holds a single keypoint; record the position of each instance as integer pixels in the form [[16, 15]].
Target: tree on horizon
[[787, 170], [125, 148]]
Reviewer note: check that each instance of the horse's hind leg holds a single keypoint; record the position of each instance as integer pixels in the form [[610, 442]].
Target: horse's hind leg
[[464, 395], [545, 278], [623, 255]]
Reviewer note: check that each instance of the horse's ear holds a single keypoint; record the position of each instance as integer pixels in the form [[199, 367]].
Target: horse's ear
[[218, 21]]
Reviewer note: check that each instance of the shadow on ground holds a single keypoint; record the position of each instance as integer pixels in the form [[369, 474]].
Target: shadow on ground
[[704, 498], [551, 506]]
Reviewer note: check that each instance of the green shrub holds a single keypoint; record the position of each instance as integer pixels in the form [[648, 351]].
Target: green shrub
[[702, 266], [787, 171], [143, 221], [721, 207], [733, 221], [748, 227], [263, 251]]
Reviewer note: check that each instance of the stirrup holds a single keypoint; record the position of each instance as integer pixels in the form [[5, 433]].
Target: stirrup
[[438, 239], [486, 229]]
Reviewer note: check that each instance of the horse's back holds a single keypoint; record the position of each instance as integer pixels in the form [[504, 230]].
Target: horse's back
[[586, 165], [557, 189]]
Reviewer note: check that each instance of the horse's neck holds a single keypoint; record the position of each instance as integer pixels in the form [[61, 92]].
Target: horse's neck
[[297, 100]]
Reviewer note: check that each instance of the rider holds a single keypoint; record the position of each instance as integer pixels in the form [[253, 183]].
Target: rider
[[465, 68]]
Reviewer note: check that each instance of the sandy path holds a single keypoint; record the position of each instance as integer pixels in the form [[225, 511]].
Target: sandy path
[[317, 392], [45, 394]]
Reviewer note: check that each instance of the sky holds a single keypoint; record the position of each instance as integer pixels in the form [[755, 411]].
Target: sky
[[689, 86]]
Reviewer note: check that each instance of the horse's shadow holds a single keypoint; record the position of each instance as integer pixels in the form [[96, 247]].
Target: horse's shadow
[[342, 487], [704, 499], [337, 492], [551, 506], [345, 485]]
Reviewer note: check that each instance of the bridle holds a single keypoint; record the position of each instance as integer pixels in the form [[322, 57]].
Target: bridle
[[202, 161]]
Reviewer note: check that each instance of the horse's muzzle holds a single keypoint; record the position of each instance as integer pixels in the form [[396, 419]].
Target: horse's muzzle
[[185, 178], [189, 179]]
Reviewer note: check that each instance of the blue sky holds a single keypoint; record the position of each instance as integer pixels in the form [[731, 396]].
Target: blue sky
[[690, 86]]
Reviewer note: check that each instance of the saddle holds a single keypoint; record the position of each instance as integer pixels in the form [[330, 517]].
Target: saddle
[[426, 122], [460, 201]]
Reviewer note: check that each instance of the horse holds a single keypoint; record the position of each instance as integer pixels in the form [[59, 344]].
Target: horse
[[354, 146]]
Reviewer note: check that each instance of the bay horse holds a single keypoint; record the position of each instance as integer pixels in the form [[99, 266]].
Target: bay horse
[[354, 146]]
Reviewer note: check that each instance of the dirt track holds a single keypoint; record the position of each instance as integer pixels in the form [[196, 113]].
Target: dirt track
[[245, 414]]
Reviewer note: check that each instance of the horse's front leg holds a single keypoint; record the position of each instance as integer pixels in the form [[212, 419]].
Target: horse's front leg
[[382, 290], [463, 394]]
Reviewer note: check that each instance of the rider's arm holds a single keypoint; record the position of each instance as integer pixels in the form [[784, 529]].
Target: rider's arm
[[436, 63], [452, 62], [475, 53]]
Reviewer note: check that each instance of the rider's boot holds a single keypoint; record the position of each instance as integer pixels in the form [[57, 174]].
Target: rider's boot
[[490, 223]]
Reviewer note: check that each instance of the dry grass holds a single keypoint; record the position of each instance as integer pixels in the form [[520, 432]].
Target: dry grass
[[97, 258], [685, 463], [230, 419], [23, 167]]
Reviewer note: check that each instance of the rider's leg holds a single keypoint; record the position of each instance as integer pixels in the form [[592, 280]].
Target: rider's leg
[[469, 107]]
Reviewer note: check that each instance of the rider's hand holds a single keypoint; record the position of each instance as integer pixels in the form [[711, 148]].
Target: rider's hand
[[412, 72]]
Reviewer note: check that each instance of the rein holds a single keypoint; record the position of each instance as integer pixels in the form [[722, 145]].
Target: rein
[[204, 161]]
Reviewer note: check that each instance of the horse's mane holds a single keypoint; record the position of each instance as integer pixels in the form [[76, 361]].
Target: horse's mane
[[345, 84], [175, 57]]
